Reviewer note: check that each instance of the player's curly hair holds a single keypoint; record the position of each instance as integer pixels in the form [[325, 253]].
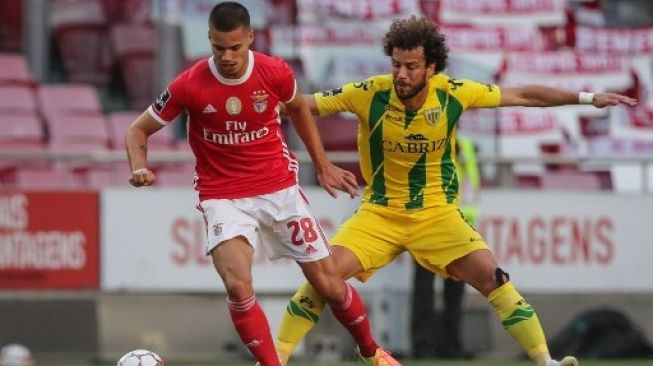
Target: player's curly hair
[[410, 33]]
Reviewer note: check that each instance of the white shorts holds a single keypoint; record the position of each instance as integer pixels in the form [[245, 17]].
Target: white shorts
[[281, 222]]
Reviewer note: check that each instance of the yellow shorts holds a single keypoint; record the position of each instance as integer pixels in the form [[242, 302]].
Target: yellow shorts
[[435, 237]]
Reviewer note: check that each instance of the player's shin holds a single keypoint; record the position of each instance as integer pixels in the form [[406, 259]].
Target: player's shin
[[353, 316], [302, 314], [520, 321]]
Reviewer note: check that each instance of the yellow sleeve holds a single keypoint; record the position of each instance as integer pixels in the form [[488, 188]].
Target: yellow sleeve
[[473, 94], [347, 98]]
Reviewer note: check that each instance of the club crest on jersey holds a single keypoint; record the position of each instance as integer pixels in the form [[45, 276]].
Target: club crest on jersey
[[432, 116], [260, 103], [217, 229], [233, 106]]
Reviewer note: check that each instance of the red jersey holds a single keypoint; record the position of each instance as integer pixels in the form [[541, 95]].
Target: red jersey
[[234, 127]]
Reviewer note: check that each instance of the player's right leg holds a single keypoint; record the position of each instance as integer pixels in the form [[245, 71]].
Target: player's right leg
[[230, 238], [362, 245]]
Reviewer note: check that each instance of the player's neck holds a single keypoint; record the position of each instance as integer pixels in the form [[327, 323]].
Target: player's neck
[[415, 102]]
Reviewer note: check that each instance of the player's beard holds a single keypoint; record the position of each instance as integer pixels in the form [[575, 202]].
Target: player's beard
[[412, 91]]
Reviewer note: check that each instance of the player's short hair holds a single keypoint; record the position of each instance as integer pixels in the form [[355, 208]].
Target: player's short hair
[[410, 33], [228, 15]]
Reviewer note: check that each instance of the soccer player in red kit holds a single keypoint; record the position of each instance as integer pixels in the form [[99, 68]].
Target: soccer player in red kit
[[247, 177]]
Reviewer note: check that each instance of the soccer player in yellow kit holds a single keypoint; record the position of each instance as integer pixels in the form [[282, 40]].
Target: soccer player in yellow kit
[[406, 139]]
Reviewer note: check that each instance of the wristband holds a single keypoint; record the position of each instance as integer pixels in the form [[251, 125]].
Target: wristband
[[140, 171], [585, 98]]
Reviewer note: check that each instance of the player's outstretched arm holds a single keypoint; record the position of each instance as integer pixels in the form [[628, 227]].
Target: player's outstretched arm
[[543, 96], [136, 146], [330, 176]]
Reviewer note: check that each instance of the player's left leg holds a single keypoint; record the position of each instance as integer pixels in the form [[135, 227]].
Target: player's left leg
[[480, 270]]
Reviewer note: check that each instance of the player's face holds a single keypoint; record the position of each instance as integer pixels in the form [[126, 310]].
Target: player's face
[[230, 50], [410, 72]]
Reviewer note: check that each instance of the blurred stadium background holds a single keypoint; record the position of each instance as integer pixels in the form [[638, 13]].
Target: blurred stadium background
[[90, 268]]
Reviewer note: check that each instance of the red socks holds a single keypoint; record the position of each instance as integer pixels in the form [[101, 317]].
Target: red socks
[[252, 326], [353, 316]]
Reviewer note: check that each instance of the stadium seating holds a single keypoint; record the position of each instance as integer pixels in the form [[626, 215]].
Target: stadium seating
[[135, 47], [179, 175], [80, 31], [11, 25], [17, 100], [68, 99], [340, 134], [563, 180], [117, 123], [21, 133], [14, 69], [77, 133]]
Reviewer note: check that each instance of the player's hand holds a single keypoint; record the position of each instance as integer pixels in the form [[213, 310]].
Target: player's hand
[[332, 177], [142, 177], [611, 99]]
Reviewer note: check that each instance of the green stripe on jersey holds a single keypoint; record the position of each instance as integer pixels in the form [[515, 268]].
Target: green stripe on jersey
[[416, 183], [449, 179], [377, 110]]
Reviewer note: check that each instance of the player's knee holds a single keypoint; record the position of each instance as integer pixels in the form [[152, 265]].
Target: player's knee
[[501, 277], [331, 289], [239, 289]]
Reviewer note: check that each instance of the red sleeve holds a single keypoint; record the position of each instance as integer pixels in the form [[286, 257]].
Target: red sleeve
[[171, 102], [287, 83]]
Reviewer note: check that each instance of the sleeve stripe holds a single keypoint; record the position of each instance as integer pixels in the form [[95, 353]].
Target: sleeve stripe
[[152, 113], [294, 92]]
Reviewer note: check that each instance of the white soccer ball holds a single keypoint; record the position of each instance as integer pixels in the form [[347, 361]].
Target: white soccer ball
[[15, 355], [140, 357]]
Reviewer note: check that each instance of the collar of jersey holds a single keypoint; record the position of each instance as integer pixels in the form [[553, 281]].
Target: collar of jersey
[[240, 80]]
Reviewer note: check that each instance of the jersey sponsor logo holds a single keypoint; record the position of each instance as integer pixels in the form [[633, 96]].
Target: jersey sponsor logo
[[394, 118], [417, 144], [162, 100], [331, 92], [233, 106], [432, 116], [209, 109], [260, 103], [236, 136]]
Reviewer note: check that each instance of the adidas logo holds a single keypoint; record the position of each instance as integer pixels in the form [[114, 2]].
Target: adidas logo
[[209, 109]]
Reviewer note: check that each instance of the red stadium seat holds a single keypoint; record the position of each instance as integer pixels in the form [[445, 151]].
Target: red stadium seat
[[77, 133], [179, 175], [81, 33], [571, 181], [38, 178], [14, 69], [77, 99], [118, 122], [340, 134], [135, 47], [11, 25], [17, 100], [21, 133]]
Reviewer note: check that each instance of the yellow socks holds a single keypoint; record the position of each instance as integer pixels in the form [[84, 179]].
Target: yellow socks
[[302, 313], [521, 322]]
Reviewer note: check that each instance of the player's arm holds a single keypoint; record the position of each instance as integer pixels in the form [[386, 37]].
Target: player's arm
[[543, 96], [136, 145], [330, 176]]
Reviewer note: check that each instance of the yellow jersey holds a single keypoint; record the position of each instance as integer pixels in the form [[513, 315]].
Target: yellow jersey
[[407, 156]]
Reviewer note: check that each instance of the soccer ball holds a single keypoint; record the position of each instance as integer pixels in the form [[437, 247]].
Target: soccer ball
[[140, 357], [15, 355]]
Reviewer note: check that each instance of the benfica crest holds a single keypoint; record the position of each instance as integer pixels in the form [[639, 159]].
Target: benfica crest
[[260, 103], [432, 116]]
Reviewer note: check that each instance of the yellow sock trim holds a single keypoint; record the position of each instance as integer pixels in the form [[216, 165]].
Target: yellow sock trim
[[302, 314], [520, 321]]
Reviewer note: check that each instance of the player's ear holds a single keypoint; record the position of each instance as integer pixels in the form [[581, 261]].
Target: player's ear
[[430, 70], [250, 38]]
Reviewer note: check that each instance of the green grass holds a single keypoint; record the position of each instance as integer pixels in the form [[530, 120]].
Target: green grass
[[647, 362]]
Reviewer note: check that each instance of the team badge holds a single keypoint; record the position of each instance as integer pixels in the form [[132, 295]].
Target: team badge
[[234, 106], [432, 116], [217, 229], [260, 103]]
